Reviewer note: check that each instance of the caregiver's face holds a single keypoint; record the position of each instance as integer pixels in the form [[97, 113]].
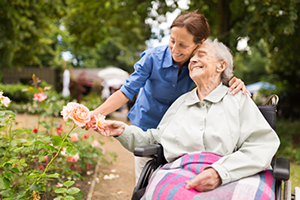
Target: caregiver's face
[[181, 44]]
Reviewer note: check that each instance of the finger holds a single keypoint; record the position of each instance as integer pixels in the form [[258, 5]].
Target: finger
[[248, 93], [235, 84], [232, 81]]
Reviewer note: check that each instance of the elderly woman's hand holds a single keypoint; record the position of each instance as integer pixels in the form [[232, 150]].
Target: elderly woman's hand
[[110, 128], [207, 180], [236, 85]]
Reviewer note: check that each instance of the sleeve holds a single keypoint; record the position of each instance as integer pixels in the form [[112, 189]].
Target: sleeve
[[138, 78], [257, 144], [134, 136]]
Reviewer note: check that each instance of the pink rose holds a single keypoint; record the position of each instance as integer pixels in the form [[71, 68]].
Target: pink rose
[[63, 151], [100, 121], [73, 159], [4, 100], [74, 137], [77, 112], [46, 158], [40, 96]]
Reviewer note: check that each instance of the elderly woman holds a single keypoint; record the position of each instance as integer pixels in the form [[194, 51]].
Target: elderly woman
[[218, 145]]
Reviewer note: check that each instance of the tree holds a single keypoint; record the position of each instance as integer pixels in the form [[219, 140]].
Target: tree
[[111, 32], [27, 31]]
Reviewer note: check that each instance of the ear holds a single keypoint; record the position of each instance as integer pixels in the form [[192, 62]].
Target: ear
[[222, 66]]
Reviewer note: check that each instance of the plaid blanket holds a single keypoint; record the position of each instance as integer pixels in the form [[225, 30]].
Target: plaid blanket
[[169, 182]]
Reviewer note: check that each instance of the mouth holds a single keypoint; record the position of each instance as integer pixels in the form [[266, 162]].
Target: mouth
[[196, 67], [177, 54]]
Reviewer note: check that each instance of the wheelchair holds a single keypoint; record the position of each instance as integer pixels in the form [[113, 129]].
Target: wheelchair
[[281, 166]]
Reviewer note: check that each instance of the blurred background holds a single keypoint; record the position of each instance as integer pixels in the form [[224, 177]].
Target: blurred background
[[87, 36], [85, 49]]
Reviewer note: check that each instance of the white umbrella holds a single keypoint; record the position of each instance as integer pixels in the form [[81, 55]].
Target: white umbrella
[[113, 73]]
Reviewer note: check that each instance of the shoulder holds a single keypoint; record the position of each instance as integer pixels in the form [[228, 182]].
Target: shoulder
[[158, 51], [239, 99]]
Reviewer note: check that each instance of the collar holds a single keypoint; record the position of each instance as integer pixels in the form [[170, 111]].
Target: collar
[[215, 96]]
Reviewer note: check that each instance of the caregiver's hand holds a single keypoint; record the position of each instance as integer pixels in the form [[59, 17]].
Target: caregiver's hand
[[207, 180], [110, 128], [237, 85]]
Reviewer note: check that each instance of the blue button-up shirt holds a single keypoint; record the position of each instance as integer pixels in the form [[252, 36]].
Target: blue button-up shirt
[[157, 81]]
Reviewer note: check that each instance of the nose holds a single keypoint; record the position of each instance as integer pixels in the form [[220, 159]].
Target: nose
[[174, 47], [194, 58]]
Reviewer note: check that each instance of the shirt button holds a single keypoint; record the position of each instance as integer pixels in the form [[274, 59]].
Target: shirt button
[[203, 104], [173, 85], [171, 95]]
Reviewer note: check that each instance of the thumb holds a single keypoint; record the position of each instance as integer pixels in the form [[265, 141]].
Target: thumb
[[190, 184]]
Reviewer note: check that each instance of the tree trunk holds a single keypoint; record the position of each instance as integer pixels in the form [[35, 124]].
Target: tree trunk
[[224, 21]]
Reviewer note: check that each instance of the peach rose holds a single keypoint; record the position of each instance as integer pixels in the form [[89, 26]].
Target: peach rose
[[73, 159], [40, 96], [77, 112], [74, 137], [100, 121]]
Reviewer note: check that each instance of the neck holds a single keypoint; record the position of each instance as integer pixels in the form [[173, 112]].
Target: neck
[[204, 89]]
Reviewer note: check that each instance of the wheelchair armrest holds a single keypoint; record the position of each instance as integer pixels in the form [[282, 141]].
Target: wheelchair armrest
[[146, 151], [281, 170]]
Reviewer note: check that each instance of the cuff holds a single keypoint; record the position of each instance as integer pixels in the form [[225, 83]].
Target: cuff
[[223, 173]]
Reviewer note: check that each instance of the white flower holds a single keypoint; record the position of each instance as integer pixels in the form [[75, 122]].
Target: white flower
[[4, 100]]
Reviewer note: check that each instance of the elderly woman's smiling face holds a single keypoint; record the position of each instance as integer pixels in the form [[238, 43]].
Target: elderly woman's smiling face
[[204, 65]]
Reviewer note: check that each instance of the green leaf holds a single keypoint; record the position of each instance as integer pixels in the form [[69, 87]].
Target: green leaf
[[16, 170], [68, 183], [70, 121], [60, 190], [7, 166], [56, 140], [9, 174], [10, 112], [18, 149], [6, 193], [69, 197], [56, 175], [2, 113], [58, 198], [4, 183], [73, 190], [71, 151], [81, 194]]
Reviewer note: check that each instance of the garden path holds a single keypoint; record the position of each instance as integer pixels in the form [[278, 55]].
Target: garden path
[[110, 182]]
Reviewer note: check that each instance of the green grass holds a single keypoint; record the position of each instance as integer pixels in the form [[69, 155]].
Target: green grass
[[295, 176]]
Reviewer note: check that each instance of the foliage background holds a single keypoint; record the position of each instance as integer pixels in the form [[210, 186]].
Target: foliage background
[[99, 33]]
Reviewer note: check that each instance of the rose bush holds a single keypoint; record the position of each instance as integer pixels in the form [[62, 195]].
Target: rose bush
[[31, 163]]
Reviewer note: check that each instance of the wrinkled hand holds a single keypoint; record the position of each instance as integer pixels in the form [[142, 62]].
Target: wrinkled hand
[[207, 180], [237, 85], [110, 128], [90, 123]]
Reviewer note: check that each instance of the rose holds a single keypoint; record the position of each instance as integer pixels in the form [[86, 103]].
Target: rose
[[47, 88], [74, 137], [4, 100], [100, 121], [73, 159], [40, 96], [77, 112]]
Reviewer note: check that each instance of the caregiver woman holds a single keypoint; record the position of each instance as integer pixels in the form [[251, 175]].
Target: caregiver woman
[[162, 75]]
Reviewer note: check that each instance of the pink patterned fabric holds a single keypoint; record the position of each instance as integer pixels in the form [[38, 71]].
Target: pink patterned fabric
[[169, 182]]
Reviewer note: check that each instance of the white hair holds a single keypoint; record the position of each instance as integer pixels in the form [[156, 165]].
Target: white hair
[[223, 53]]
